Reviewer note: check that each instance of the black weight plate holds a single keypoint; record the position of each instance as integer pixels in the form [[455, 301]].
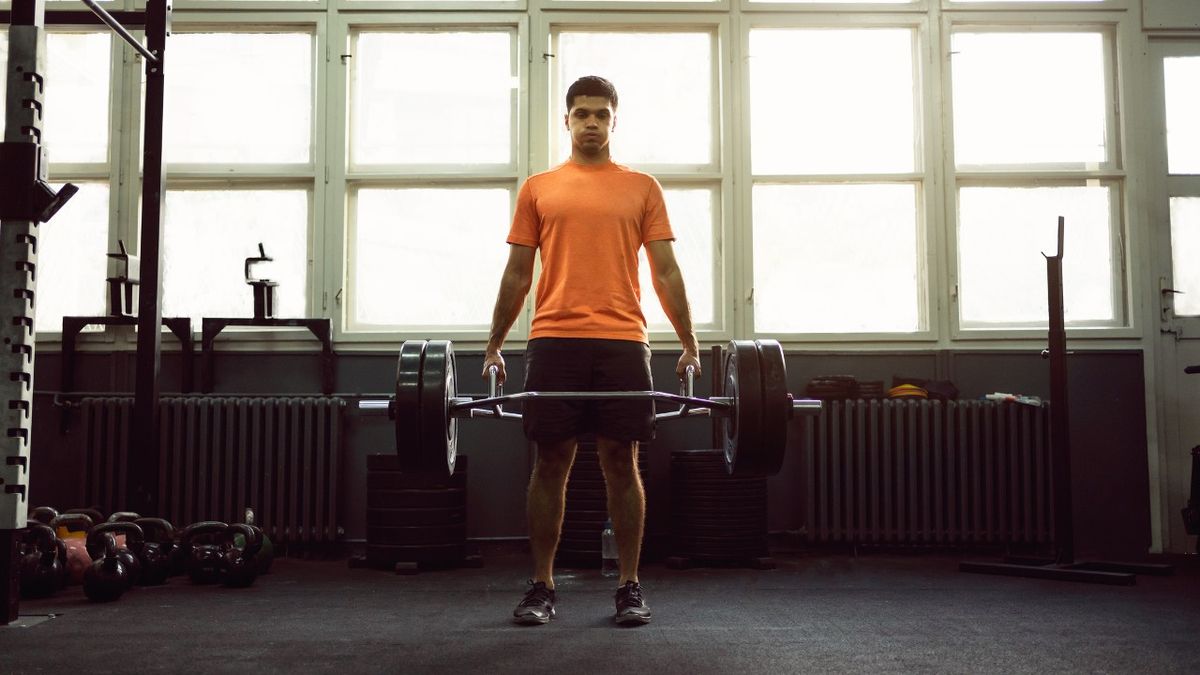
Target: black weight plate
[[407, 404], [699, 455], [721, 530], [588, 494], [576, 507], [416, 499], [414, 480], [729, 511], [411, 536], [776, 405], [379, 555], [439, 430], [416, 517], [588, 526], [714, 480], [390, 462], [742, 428], [722, 494]]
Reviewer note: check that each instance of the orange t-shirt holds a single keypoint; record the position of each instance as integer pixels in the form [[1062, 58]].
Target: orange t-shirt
[[589, 223]]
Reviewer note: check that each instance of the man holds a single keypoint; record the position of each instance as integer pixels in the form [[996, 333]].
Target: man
[[589, 217]]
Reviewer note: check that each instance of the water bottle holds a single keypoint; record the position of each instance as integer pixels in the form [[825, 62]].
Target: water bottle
[[609, 566]]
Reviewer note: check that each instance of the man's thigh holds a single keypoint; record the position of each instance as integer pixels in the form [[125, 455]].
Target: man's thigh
[[556, 364], [623, 365]]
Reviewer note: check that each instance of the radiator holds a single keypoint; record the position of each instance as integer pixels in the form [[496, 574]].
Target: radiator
[[220, 455], [928, 473]]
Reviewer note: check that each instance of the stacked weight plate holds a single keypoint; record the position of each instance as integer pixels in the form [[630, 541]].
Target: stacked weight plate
[[714, 517], [415, 517], [586, 509]]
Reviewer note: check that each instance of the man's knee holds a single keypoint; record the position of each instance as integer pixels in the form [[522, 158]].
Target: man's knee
[[554, 459], [618, 459]]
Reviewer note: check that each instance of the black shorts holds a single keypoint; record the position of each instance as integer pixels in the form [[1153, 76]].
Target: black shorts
[[588, 364]]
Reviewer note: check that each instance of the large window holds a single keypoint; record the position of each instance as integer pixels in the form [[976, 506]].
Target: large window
[[835, 162], [1180, 75], [72, 248], [240, 169], [667, 126], [890, 172], [431, 175], [1033, 140]]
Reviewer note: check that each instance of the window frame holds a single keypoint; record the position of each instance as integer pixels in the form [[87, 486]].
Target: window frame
[[1114, 29], [342, 181], [110, 171], [718, 176], [925, 176], [249, 176]]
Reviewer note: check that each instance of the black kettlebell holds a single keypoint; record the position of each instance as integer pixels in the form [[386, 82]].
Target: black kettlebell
[[107, 579], [43, 562], [123, 517], [134, 538], [205, 562], [156, 550], [93, 513], [266, 554], [241, 564], [43, 514]]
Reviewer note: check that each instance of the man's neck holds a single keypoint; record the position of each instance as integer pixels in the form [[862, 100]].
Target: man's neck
[[596, 159]]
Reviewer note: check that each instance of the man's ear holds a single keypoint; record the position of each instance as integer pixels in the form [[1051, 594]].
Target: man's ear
[[613, 126], [567, 121]]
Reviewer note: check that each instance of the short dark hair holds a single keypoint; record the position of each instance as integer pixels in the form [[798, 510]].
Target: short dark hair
[[592, 85]]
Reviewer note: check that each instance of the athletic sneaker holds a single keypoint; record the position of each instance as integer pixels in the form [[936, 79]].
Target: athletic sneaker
[[537, 607], [631, 606]]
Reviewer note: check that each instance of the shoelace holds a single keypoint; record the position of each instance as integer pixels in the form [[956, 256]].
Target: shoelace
[[537, 595], [632, 593]]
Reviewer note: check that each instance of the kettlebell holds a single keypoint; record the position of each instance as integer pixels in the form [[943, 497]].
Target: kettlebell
[[241, 564], [41, 566], [156, 550], [266, 554], [93, 513], [43, 514], [123, 517], [134, 538], [205, 562], [72, 529], [107, 579]]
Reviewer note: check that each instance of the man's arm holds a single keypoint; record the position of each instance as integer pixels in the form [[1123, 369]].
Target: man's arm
[[514, 286], [668, 284]]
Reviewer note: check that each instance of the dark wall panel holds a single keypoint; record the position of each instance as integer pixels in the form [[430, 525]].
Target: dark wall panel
[[1107, 427]]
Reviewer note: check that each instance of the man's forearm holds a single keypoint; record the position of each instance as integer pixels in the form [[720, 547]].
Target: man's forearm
[[673, 296], [509, 302]]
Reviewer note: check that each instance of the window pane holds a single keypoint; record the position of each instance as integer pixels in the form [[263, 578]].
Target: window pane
[[433, 98], [1185, 254], [691, 212], [216, 113], [72, 259], [836, 258], [77, 85], [415, 248], [831, 101], [841, 2], [1029, 98], [1002, 234], [207, 237], [1182, 84], [661, 118]]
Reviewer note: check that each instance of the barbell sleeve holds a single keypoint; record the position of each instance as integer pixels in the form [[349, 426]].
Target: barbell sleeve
[[809, 407]]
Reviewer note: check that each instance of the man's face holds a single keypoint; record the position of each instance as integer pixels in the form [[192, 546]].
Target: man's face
[[590, 120]]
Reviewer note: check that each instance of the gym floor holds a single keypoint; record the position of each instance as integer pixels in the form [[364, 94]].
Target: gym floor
[[818, 611]]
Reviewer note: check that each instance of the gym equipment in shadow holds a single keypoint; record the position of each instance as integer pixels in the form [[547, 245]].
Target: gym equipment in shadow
[[1063, 566]]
